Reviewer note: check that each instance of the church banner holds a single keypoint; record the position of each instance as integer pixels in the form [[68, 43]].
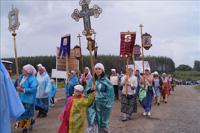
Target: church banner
[[65, 46], [72, 61], [127, 43]]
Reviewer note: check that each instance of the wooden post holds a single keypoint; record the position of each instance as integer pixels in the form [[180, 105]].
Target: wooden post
[[81, 60], [127, 75], [133, 57], [91, 58], [16, 59], [142, 47], [67, 63]]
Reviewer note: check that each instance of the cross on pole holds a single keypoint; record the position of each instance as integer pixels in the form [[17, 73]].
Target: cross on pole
[[86, 13]]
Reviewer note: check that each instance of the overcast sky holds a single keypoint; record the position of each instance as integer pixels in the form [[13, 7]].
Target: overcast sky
[[174, 26]]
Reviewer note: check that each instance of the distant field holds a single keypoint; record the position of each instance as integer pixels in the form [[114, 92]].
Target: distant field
[[187, 75]]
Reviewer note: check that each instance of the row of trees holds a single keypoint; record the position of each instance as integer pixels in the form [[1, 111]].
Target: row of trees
[[183, 67], [161, 64]]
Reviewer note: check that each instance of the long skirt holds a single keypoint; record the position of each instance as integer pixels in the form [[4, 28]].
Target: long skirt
[[24, 121], [129, 104], [42, 104]]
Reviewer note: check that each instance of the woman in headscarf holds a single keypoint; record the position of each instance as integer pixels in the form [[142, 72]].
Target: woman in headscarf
[[43, 89], [165, 87], [129, 97], [86, 76], [27, 87], [72, 80], [157, 84], [114, 78], [104, 99], [146, 81]]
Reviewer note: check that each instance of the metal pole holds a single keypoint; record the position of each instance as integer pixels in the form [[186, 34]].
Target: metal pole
[[142, 47], [15, 49]]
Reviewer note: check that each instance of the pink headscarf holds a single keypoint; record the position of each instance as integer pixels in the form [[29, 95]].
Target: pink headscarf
[[29, 69]]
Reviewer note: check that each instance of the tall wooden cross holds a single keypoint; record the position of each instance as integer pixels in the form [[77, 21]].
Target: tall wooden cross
[[86, 13]]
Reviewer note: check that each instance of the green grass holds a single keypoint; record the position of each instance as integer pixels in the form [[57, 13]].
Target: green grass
[[61, 85], [187, 75], [197, 87]]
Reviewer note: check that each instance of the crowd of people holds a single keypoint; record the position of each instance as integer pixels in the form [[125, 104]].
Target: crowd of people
[[87, 97]]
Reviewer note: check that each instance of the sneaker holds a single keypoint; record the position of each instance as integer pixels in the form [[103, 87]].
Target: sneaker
[[144, 113], [124, 119], [149, 113]]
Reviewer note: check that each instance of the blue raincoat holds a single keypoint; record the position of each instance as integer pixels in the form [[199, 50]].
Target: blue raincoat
[[43, 89], [69, 88], [52, 92], [28, 97], [10, 103], [99, 112]]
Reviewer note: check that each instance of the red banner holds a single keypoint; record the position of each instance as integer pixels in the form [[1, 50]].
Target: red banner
[[127, 43]]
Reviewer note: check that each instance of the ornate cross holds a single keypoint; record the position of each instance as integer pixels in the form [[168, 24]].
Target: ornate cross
[[85, 13]]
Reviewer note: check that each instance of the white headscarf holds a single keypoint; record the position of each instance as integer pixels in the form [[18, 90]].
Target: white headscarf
[[78, 88], [29, 69], [99, 65]]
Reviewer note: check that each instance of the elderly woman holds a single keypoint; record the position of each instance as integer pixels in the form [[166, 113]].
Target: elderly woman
[[27, 87], [43, 89], [129, 97], [102, 107]]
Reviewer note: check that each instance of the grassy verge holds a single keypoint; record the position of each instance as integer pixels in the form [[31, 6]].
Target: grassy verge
[[61, 85], [197, 87], [187, 75]]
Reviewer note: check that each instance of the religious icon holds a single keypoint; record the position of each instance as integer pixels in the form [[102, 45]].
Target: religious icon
[[137, 51], [65, 41], [127, 38], [65, 46], [146, 40]]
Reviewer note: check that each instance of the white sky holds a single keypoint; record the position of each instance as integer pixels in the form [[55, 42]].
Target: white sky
[[174, 26]]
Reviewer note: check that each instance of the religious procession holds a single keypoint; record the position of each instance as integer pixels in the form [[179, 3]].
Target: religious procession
[[95, 98]]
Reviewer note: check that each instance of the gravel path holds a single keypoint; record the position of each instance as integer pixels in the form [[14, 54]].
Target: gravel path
[[180, 115]]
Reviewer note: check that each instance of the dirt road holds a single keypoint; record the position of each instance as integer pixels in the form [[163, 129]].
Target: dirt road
[[180, 115]]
